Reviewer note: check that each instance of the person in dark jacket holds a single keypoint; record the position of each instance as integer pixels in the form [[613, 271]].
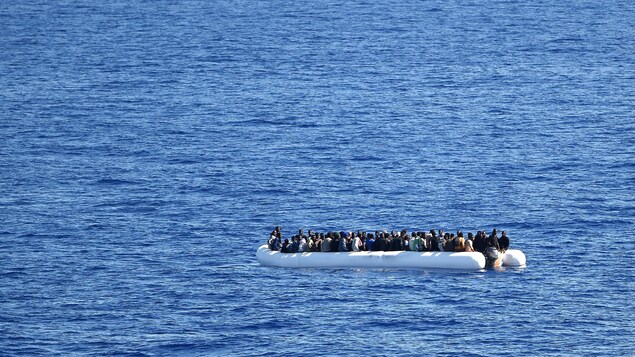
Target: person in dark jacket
[[293, 248], [285, 246], [335, 244], [503, 242], [385, 242], [376, 246], [493, 240], [481, 242], [397, 241], [448, 242]]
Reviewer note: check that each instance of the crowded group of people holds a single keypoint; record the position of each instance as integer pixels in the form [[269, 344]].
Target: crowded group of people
[[357, 241]]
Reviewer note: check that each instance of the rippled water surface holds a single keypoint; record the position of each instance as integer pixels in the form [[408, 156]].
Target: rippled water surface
[[147, 149]]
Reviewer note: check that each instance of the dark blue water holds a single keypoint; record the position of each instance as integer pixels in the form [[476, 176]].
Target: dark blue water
[[148, 147]]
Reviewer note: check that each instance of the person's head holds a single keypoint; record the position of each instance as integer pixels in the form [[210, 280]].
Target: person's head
[[470, 236], [494, 231], [286, 240], [369, 236], [504, 233]]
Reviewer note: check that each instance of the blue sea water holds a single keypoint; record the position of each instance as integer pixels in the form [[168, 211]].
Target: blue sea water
[[147, 148]]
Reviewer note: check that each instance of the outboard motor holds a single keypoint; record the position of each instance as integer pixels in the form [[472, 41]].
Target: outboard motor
[[491, 255]]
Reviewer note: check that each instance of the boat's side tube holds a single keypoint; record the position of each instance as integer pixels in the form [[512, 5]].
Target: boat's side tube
[[514, 258], [393, 259]]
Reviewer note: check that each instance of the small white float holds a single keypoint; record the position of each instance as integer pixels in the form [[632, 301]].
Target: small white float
[[392, 259]]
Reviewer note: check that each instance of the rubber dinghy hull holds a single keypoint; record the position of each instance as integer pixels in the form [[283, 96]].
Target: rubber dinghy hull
[[514, 258], [393, 259], [400, 259]]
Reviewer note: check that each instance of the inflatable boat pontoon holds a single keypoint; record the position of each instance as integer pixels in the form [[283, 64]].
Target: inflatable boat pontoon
[[392, 259]]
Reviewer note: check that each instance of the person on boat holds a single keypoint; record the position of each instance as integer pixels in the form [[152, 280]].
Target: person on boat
[[459, 246], [425, 242], [309, 244], [342, 244], [370, 240], [448, 242], [326, 243], [469, 243], [295, 242], [335, 244], [384, 242], [427, 238], [317, 242], [285, 246], [405, 244], [272, 239], [277, 243], [440, 242], [493, 240], [503, 242], [415, 242], [356, 243], [363, 237], [349, 241], [434, 246], [479, 242], [397, 241], [302, 244]]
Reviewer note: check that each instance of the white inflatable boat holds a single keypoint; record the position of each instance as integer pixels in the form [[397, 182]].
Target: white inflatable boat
[[393, 259]]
